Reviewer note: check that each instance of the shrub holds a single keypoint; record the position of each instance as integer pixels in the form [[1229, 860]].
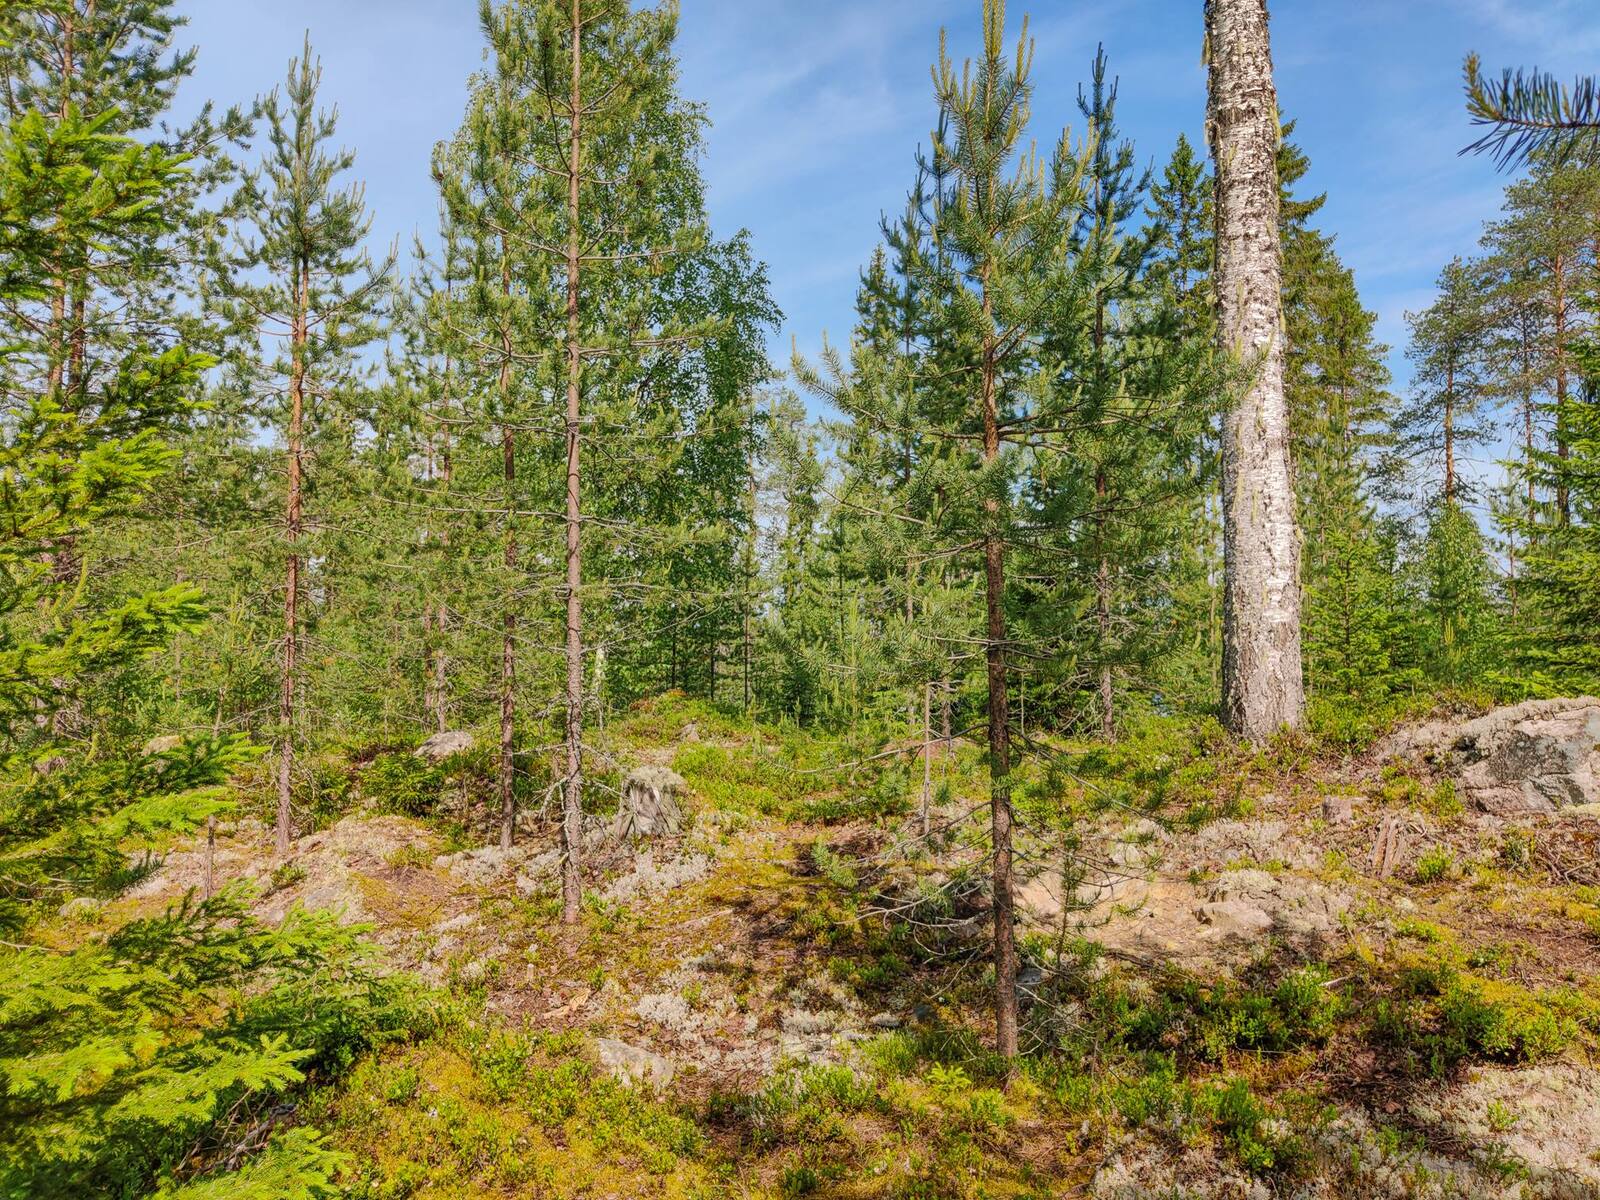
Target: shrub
[[1435, 864]]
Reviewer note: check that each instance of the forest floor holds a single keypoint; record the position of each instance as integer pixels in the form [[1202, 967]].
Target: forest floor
[[1297, 972]]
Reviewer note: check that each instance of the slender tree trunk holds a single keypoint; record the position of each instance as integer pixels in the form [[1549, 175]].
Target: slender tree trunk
[[508, 635], [1563, 450], [1102, 614], [572, 813], [289, 682], [749, 613], [1005, 946], [1262, 682], [1450, 434], [927, 752], [58, 297], [441, 618]]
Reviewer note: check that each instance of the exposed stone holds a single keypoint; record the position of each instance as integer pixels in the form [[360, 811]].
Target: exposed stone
[[442, 745], [1338, 810], [81, 907], [1235, 918], [161, 745], [634, 1064], [1544, 1116], [1538, 756], [650, 803]]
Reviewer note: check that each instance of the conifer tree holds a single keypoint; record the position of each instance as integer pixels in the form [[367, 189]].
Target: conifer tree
[[575, 171], [988, 270], [119, 1052], [1562, 564], [1547, 232], [1442, 420], [303, 281]]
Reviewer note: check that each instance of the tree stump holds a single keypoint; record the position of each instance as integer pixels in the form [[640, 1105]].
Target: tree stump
[[650, 804]]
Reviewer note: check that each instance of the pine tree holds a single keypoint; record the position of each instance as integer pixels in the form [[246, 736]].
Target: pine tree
[[1443, 419], [119, 1052], [987, 272], [575, 174], [1547, 232], [1557, 591], [320, 297]]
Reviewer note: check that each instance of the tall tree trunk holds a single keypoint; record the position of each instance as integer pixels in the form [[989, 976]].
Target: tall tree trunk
[[58, 296], [1450, 434], [748, 636], [1262, 683], [927, 752], [572, 809], [1563, 449], [1005, 945], [508, 635], [441, 617], [1102, 615], [289, 681]]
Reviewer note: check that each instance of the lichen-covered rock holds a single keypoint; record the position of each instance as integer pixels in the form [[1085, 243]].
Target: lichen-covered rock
[[442, 745], [1538, 756], [1339, 809], [633, 1064], [1235, 918]]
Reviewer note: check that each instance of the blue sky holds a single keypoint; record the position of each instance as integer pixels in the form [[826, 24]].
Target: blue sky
[[818, 107]]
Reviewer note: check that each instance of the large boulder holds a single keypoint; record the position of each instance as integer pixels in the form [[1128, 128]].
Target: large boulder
[[650, 803], [442, 745], [1538, 756]]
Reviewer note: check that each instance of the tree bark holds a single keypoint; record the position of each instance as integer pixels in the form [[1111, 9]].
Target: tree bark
[[1262, 683], [292, 528], [1102, 615], [508, 638], [927, 752], [1005, 946], [1563, 449], [1450, 434], [572, 808]]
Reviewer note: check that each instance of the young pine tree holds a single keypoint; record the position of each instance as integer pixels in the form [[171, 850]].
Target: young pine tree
[[121, 1053], [302, 284]]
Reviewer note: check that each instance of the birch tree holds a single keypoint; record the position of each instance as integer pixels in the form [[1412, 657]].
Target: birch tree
[[1262, 685]]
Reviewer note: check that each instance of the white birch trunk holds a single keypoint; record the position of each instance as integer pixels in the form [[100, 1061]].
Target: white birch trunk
[[1262, 687]]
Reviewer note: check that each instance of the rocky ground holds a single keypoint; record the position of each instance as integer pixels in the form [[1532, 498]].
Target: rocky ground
[[750, 947]]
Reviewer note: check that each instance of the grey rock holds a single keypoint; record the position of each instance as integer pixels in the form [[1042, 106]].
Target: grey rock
[[633, 1065], [81, 907], [442, 745], [1234, 918], [804, 1023], [161, 745], [1537, 756], [886, 1020], [1338, 810], [1247, 882]]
